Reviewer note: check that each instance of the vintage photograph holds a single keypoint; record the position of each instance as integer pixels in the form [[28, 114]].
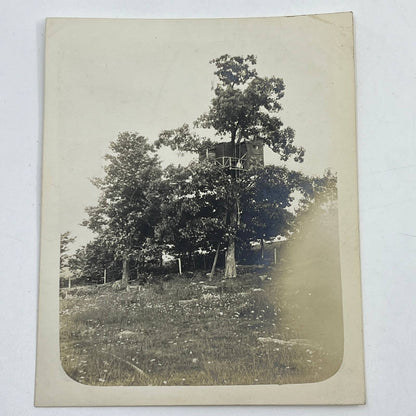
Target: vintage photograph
[[198, 166]]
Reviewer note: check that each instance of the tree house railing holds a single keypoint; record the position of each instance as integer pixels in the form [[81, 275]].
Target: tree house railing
[[235, 163]]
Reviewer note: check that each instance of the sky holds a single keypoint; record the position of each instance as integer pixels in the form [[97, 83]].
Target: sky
[[107, 76]]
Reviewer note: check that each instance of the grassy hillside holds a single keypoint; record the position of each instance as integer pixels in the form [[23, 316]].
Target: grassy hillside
[[269, 326]]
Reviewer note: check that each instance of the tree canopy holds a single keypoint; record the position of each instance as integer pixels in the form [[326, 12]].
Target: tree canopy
[[245, 106], [195, 209], [65, 241], [90, 261], [144, 210], [128, 208]]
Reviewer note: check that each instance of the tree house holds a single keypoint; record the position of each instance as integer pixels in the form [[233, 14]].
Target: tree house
[[239, 156]]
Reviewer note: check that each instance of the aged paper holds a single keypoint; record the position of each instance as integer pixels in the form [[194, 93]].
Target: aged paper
[[129, 80]]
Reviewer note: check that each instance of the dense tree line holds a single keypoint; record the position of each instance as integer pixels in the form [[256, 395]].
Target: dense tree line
[[145, 212]]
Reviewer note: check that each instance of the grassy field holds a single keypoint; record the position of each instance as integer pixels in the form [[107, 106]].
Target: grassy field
[[271, 325]]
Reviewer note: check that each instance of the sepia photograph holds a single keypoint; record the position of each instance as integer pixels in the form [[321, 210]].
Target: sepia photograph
[[208, 207], [202, 181]]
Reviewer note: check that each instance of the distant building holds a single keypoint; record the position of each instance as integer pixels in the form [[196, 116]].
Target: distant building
[[241, 156]]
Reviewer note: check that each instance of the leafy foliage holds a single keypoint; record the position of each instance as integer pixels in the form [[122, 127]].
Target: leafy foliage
[[265, 198], [89, 262], [194, 213], [144, 211], [318, 211], [183, 139], [65, 241], [244, 107], [129, 205]]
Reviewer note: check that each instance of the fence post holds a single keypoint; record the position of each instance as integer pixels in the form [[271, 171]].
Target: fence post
[[105, 276], [275, 255], [180, 265]]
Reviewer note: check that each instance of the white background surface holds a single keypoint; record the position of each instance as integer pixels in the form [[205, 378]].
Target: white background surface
[[385, 35]]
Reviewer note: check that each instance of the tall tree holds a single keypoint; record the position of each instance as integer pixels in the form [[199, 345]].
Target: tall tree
[[90, 261], [318, 210], [245, 107], [65, 241], [265, 201], [129, 204], [195, 208]]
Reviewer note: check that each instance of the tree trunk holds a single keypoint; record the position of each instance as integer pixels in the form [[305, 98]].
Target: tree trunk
[[125, 275], [230, 266], [233, 135]]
